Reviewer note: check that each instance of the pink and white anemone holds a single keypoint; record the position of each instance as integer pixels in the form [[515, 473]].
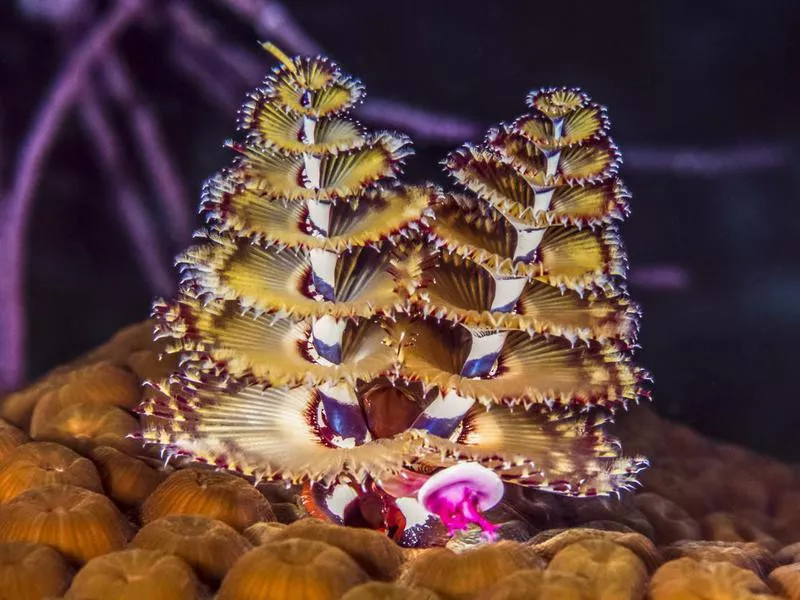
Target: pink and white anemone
[[460, 494]]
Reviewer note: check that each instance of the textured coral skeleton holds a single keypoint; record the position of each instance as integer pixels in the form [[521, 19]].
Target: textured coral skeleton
[[367, 338]]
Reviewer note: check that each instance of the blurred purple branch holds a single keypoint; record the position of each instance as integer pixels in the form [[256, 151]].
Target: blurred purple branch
[[273, 21], [152, 149], [138, 223], [420, 123], [207, 80], [54, 11], [201, 35], [706, 162], [2, 156], [16, 202], [660, 277]]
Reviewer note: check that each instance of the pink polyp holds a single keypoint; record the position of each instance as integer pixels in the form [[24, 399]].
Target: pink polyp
[[459, 494], [457, 507]]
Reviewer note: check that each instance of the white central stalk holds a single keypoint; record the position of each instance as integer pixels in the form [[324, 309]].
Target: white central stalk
[[443, 416], [311, 163], [486, 347], [311, 171], [528, 239], [558, 127], [343, 415], [323, 272], [319, 214], [542, 197], [327, 333], [506, 293], [553, 157], [309, 130]]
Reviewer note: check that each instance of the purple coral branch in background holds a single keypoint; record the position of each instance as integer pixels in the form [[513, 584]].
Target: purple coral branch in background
[[420, 123], [2, 158], [209, 82], [274, 22], [665, 277], [707, 162], [139, 224], [16, 201], [152, 148], [205, 39]]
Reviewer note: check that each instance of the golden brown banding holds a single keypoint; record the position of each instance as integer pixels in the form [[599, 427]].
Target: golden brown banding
[[536, 584], [212, 494], [209, 546], [574, 258], [746, 555], [100, 383], [530, 369], [462, 291], [275, 281], [277, 175], [548, 543], [372, 218], [127, 480], [78, 523], [217, 335], [683, 577], [31, 571], [611, 569], [86, 426], [10, 438], [42, 463], [268, 433], [292, 569], [135, 573], [465, 575], [379, 590], [377, 554]]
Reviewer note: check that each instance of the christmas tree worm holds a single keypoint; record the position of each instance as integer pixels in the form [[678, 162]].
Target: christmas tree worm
[[400, 351]]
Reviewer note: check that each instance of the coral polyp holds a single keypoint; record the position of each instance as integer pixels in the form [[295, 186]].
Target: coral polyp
[[400, 351]]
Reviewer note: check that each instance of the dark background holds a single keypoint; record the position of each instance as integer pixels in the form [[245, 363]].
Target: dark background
[[703, 100]]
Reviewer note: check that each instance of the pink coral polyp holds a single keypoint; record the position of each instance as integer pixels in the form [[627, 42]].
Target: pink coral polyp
[[459, 494]]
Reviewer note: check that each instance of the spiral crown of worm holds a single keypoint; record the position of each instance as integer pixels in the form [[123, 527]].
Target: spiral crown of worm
[[340, 329]]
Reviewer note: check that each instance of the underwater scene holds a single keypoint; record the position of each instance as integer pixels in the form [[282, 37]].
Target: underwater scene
[[423, 300]]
